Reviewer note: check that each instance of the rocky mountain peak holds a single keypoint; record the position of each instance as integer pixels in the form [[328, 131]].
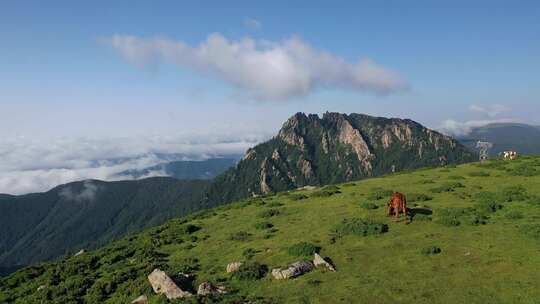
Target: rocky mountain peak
[[313, 150]]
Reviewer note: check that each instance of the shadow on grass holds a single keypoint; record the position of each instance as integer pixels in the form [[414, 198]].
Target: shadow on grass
[[421, 212]]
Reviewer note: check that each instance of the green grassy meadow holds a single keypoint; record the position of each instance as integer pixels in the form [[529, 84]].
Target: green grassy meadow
[[485, 220]]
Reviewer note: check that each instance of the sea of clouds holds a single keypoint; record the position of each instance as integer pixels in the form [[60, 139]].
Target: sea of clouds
[[34, 165]]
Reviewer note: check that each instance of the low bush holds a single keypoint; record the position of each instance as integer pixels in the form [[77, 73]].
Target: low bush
[[250, 271], [189, 229], [513, 194], [357, 226], [303, 249], [450, 216], [523, 170], [379, 193], [369, 205], [531, 230], [189, 265], [418, 197], [274, 204], [456, 177], [240, 236], [488, 206], [514, 215], [249, 253], [269, 213], [263, 225], [326, 192], [447, 187], [297, 197], [479, 174], [431, 250]]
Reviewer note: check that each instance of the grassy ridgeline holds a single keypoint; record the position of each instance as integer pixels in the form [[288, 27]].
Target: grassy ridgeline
[[474, 238]]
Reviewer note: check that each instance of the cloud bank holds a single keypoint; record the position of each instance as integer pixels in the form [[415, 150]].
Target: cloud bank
[[86, 194], [30, 165], [264, 69], [489, 114]]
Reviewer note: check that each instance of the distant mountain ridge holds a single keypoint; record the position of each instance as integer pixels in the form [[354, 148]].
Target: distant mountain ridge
[[184, 169], [506, 136], [310, 150]]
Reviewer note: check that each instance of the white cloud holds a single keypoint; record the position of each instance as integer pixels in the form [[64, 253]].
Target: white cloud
[[252, 24], [490, 110], [30, 165], [459, 128], [265, 69], [86, 194]]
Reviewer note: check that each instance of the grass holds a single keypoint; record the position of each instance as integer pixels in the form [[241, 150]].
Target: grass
[[488, 254]]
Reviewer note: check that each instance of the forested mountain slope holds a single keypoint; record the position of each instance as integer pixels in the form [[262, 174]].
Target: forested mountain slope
[[41, 226]]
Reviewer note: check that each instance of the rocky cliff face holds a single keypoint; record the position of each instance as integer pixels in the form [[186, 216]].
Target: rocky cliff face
[[309, 150]]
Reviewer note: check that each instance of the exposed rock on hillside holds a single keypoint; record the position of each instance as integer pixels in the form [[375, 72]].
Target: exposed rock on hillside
[[163, 284], [309, 150], [320, 261], [294, 270], [233, 267]]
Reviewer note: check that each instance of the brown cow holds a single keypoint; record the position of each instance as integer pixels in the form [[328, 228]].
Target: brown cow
[[396, 205]]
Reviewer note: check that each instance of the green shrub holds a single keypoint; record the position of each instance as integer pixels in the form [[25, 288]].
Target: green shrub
[[189, 265], [418, 197], [297, 197], [303, 249], [431, 250], [274, 204], [349, 185], [269, 213], [447, 187], [250, 271], [369, 205], [357, 226], [479, 174], [240, 236], [488, 206], [379, 193], [263, 225], [476, 219], [325, 192], [523, 170], [249, 253], [450, 216], [513, 194], [486, 196], [189, 229], [456, 177], [514, 215], [531, 230]]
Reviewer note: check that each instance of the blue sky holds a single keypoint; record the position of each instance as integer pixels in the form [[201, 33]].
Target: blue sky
[[452, 64]]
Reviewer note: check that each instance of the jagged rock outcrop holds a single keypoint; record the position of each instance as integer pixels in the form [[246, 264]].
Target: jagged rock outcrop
[[163, 284], [319, 261], [313, 150], [294, 270]]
